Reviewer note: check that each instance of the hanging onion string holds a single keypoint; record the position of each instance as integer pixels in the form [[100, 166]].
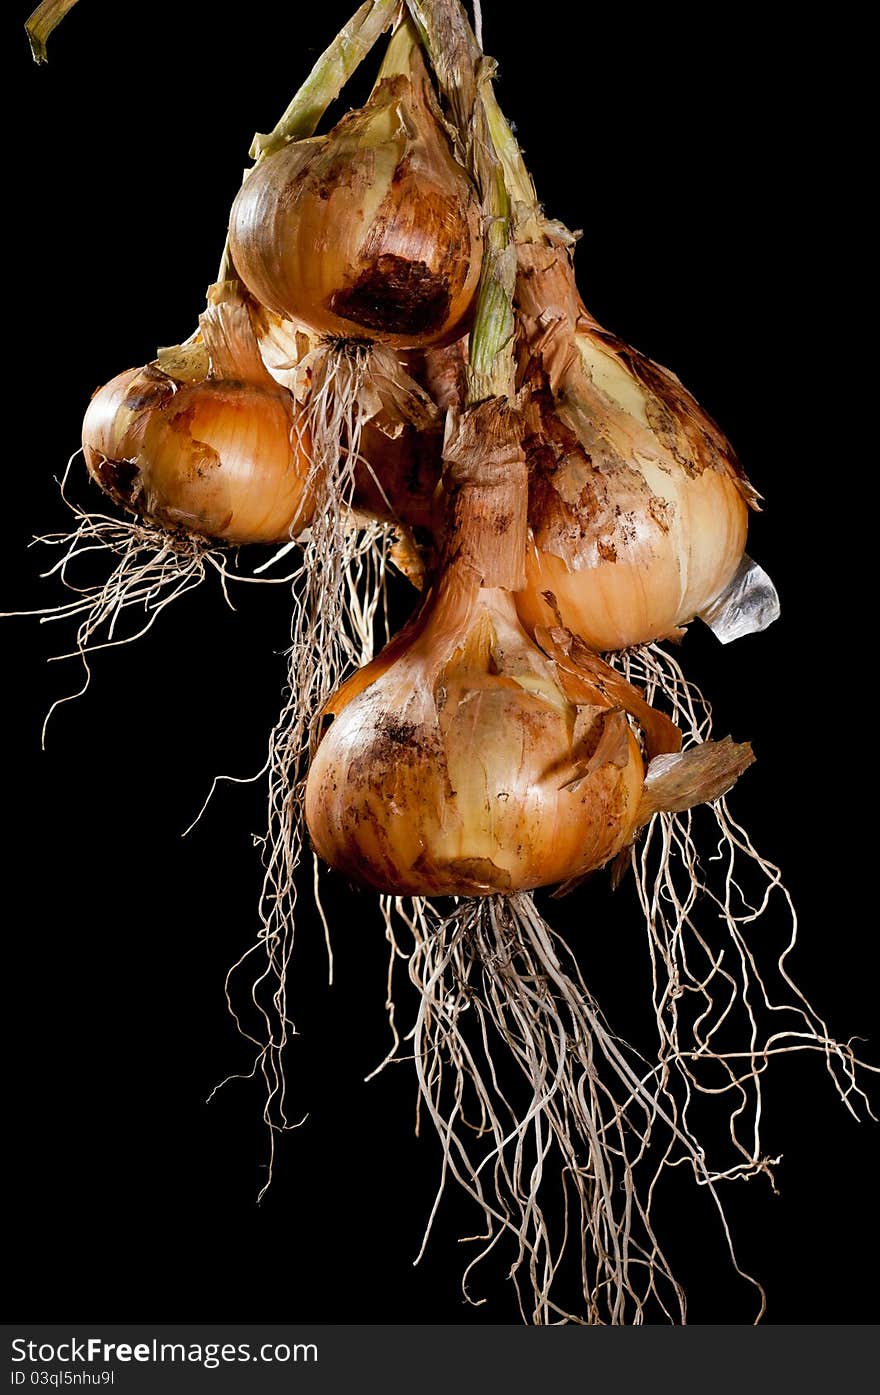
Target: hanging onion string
[[349, 750], [470, 757]]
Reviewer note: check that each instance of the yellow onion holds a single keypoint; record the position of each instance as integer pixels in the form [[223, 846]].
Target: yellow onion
[[465, 759], [372, 230], [637, 506], [204, 439], [460, 769]]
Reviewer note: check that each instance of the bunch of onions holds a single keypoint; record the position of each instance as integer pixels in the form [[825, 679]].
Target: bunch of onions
[[371, 231], [487, 749], [579, 500], [371, 234], [637, 506], [467, 760], [204, 439]]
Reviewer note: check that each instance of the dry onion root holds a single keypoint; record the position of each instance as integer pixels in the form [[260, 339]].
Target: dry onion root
[[336, 593], [152, 568], [705, 969], [555, 1127], [586, 503]]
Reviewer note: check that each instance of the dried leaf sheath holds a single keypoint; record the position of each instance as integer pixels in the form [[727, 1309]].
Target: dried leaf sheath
[[486, 479], [45, 18], [674, 783], [328, 77]]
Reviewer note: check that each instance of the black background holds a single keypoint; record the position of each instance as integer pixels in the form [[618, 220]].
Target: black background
[[712, 172]]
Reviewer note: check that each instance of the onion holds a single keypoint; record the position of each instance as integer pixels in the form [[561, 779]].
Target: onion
[[638, 506], [204, 439], [454, 771], [372, 230]]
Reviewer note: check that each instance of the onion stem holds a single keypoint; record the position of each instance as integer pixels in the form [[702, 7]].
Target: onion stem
[[464, 76], [322, 86], [398, 55], [329, 75]]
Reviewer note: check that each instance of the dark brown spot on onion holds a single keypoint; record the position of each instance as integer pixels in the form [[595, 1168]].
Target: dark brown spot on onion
[[395, 295], [118, 478], [397, 730]]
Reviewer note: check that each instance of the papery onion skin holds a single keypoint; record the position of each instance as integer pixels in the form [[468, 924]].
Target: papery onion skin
[[223, 456], [371, 231], [638, 508]]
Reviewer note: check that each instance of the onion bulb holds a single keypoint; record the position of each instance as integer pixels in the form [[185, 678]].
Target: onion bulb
[[372, 230], [204, 439], [465, 760], [637, 504]]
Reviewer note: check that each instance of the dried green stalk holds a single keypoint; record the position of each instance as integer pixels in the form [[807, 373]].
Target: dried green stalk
[[328, 77], [322, 86]]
